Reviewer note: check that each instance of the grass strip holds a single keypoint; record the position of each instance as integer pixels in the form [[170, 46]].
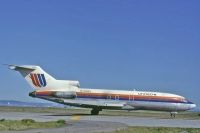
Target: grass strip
[[24, 124]]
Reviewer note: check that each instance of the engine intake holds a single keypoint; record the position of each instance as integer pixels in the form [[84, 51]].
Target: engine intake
[[72, 83]]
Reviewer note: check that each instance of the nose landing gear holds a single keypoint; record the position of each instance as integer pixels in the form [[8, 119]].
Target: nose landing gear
[[173, 114]]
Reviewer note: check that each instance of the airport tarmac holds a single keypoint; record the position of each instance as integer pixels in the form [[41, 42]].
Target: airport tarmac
[[91, 124]]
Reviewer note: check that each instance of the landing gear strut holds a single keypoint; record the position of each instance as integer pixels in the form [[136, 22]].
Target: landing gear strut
[[95, 111], [173, 114]]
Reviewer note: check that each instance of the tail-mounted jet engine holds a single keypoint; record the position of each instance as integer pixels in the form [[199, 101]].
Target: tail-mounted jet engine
[[72, 83], [65, 94], [56, 94]]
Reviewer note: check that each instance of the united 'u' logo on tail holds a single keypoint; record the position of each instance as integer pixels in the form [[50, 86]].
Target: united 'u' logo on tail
[[38, 80]]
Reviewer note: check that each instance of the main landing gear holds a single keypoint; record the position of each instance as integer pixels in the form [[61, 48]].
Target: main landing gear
[[173, 114], [95, 111]]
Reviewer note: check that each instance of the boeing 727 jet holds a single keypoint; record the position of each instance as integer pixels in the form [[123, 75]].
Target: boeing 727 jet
[[68, 92]]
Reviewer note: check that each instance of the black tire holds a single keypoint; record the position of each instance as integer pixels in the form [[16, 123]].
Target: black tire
[[94, 112]]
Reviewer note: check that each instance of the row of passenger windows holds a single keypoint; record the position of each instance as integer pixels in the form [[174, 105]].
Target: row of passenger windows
[[117, 97], [111, 97]]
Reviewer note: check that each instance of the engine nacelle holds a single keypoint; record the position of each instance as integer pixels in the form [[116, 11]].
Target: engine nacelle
[[65, 94], [72, 83]]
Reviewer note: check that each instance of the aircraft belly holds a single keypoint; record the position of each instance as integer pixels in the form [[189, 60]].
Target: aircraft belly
[[153, 105], [96, 102]]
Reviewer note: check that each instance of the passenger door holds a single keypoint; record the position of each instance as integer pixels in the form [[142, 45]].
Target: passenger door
[[131, 96]]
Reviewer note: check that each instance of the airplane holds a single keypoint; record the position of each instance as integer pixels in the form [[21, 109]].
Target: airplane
[[68, 92]]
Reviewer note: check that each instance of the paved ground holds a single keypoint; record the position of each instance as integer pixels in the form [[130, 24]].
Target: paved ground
[[90, 124]]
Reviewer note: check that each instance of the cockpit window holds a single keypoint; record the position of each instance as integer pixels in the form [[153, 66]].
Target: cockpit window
[[184, 100]]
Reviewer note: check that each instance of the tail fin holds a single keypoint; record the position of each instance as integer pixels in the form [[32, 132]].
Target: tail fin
[[34, 75]]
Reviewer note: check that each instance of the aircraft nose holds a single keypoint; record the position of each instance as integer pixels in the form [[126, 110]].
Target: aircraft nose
[[192, 106]]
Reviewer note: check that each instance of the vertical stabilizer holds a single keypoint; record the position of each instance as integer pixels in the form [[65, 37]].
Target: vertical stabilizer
[[34, 75]]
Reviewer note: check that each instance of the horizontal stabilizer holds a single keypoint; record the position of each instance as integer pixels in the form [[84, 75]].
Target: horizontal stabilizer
[[23, 67]]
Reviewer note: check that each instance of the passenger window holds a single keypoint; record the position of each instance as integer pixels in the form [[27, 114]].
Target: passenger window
[[109, 97], [116, 97]]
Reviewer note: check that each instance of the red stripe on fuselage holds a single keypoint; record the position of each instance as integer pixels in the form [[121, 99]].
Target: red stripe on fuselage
[[33, 79], [36, 80], [44, 92]]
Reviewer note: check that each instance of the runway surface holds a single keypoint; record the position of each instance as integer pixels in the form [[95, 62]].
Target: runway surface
[[90, 124]]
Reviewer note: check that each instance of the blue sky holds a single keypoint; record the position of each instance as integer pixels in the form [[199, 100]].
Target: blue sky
[[142, 45]]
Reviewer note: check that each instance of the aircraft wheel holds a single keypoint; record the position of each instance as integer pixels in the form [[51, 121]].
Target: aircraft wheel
[[95, 111], [173, 114]]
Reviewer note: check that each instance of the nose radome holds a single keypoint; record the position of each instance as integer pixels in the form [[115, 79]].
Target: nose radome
[[192, 106]]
